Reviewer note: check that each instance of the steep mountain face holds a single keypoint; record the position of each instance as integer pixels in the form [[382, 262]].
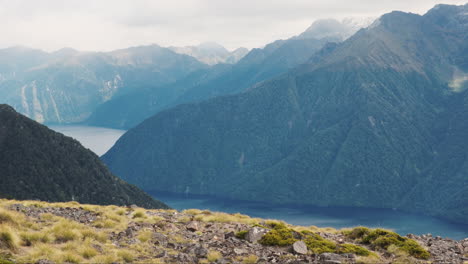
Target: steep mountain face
[[67, 85], [38, 163], [376, 121], [212, 53], [257, 66]]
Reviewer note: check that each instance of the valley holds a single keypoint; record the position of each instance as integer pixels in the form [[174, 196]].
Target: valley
[[235, 132]]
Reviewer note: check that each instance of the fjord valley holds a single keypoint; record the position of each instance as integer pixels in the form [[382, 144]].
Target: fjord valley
[[375, 121], [352, 133]]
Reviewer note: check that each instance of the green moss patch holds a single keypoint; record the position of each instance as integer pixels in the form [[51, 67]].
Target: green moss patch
[[382, 239], [280, 235], [241, 234]]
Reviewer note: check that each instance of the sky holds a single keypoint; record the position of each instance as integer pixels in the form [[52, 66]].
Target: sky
[[103, 25]]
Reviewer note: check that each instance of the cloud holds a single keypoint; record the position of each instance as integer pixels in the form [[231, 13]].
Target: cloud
[[112, 24]]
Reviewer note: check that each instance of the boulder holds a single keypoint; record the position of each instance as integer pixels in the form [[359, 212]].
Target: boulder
[[255, 234], [192, 226], [299, 247]]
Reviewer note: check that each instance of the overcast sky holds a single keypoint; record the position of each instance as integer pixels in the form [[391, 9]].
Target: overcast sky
[[112, 24]]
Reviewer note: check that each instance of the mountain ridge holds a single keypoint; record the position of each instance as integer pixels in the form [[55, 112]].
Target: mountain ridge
[[38, 163]]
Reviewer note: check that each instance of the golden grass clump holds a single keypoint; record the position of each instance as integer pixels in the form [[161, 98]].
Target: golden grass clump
[[213, 256], [66, 230], [251, 259], [105, 259], [145, 235], [30, 238], [139, 213], [70, 257], [6, 217], [88, 252], [126, 255], [8, 238], [226, 218]]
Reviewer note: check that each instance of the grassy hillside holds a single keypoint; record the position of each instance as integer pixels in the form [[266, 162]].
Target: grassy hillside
[[32, 232]]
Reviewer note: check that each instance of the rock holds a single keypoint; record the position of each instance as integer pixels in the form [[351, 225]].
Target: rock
[[230, 234], [44, 261], [159, 253], [185, 258], [330, 258], [239, 251], [255, 234], [299, 247], [465, 245], [192, 226], [160, 239], [200, 252]]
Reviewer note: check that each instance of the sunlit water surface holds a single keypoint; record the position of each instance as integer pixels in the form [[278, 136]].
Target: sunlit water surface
[[97, 139]]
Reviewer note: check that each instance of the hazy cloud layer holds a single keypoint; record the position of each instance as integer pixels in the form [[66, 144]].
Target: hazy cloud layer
[[112, 24]]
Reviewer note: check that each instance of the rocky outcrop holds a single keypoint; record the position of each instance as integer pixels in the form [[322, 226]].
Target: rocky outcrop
[[444, 250]]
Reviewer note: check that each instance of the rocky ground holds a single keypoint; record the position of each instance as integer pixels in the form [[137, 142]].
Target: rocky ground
[[192, 236]]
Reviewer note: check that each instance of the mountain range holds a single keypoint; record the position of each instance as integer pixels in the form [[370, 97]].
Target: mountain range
[[377, 120], [212, 53], [38, 163], [258, 65], [66, 86]]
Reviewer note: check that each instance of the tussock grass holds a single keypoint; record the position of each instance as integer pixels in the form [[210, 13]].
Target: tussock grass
[[251, 259], [30, 238], [126, 255], [88, 252], [219, 217], [8, 238], [145, 235], [6, 217], [213, 256]]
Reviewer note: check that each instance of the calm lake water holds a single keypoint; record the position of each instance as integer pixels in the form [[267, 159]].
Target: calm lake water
[[97, 139], [100, 140], [337, 217]]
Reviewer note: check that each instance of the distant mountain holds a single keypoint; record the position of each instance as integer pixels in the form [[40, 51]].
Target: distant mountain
[[376, 121], [38, 163], [67, 85], [257, 66], [212, 53], [341, 30]]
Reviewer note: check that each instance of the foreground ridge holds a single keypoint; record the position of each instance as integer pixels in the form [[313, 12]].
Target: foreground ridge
[[40, 232]]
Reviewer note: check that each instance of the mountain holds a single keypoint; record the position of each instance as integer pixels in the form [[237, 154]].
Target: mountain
[[341, 30], [67, 85], [375, 121], [257, 66], [212, 53], [38, 163]]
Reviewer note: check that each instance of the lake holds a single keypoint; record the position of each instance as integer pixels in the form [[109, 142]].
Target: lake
[[97, 139], [337, 217], [100, 140]]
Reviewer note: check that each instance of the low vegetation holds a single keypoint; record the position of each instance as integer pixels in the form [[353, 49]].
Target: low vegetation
[[110, 234], [381, 239], [282, 235]]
